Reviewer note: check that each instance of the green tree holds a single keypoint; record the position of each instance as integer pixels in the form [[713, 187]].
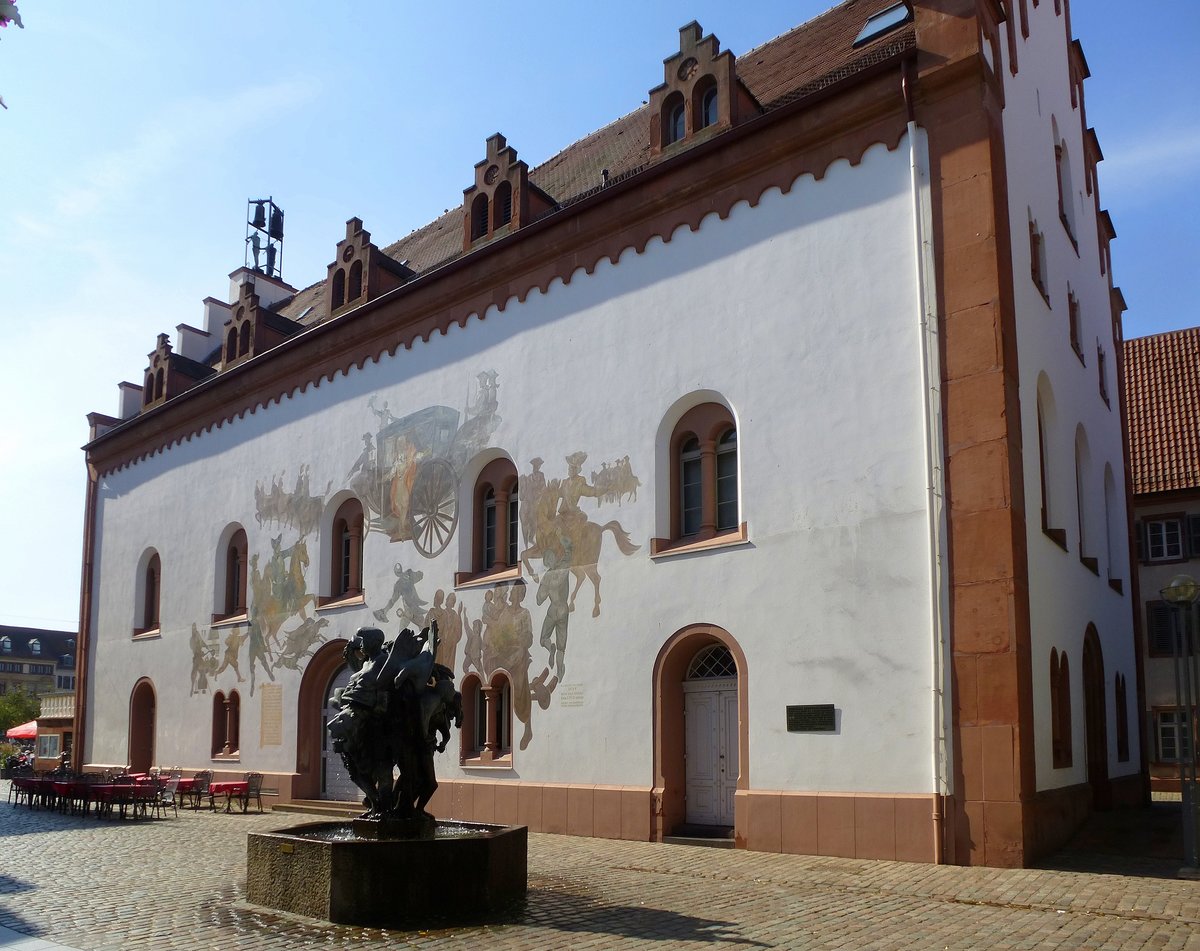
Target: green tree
[[17, 707]]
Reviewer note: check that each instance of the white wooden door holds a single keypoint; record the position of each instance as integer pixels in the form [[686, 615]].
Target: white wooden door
[[335, 783], [710, 718]]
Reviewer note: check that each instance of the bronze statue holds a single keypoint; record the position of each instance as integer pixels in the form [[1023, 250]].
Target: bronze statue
[[391, 714]]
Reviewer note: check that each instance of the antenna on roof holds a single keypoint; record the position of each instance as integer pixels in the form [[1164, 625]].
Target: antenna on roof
[[264, 237]]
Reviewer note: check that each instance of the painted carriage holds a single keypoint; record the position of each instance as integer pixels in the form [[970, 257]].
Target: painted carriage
[[418, 461]]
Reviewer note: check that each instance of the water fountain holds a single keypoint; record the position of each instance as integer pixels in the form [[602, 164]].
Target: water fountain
[[395, 866]]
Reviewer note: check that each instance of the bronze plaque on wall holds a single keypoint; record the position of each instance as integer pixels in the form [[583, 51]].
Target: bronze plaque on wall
[[811, 718]]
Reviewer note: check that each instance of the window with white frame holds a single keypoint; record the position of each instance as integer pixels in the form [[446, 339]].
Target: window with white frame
[[1173, 731], [1164, 540], [47, 746]]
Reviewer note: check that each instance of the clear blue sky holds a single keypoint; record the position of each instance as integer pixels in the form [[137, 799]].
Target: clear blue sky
[[135, 132]]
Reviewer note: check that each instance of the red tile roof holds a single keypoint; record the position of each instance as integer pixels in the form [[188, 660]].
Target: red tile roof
[[1162, 390], [796, 64]]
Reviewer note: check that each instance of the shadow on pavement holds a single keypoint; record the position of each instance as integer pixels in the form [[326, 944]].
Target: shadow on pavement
[[561, 910], [1146, 842]]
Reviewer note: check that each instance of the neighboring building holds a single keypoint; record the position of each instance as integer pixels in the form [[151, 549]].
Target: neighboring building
[[1162, 386], [55, 729], [809, 366], [38, 661]]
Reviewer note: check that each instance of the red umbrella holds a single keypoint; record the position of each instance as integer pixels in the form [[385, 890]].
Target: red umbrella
[[26, 731]]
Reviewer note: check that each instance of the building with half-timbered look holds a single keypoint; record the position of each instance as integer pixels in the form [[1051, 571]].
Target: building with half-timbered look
[[759, 455]]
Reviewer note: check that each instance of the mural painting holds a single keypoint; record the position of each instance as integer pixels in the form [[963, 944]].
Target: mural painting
[[407, 473], [561, 527], [407, 477]]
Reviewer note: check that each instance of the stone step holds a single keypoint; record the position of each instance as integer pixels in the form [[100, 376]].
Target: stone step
[[320, 807], [699, 840]]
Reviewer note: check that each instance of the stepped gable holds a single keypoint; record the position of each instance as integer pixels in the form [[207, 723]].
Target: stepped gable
[[1162, 391], [795, 64]]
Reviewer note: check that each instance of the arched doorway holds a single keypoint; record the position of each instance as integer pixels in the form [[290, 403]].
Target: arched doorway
[[142, 709], [1095, 717], [336, 783], [701, 727], [311, 702], [710, 716]]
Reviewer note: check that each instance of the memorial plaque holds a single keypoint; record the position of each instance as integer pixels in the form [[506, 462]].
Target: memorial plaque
[[570, 695], [270, 729], [811, 718]]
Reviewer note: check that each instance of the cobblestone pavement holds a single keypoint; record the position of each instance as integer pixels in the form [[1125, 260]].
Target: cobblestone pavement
[[179, 883]]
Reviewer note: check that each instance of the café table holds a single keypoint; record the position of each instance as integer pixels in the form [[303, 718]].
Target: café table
[[231, 790]]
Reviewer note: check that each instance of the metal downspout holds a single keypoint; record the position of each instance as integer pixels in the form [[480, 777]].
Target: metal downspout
[[931, 376]]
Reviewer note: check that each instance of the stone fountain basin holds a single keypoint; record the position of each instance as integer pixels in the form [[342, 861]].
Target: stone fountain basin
[[465, 872]]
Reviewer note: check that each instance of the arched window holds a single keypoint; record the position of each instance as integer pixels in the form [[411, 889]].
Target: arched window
[[673, 121], [1122, 710], [513, 514], [354, 289], [235, 575], [473, 734], [231, 350], [159, 384], [714, 662], [151, 582], [1062, 171], [486, 734], [496, 516], [1047, 435], [346, 556], [479, 217], [226, 724], [705, 500], [705, 108], [691, 508], [502, 714], [727, 481], [338, 291], [244, 341], [1060, 709], [1083, 495], [502, 205], [1115, 539]]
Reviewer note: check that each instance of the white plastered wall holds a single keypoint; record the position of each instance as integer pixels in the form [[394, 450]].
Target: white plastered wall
[[1064, 595], [802, 313]]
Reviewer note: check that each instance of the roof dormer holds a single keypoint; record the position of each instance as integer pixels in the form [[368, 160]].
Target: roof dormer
[[252, 328], [502, 198], [700, 95], [360, 271], [170, 374]]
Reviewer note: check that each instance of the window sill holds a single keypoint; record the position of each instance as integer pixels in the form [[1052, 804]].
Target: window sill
[[341, 601], [1091, 564], [1045, 293], [1058, 536], [146, 633], [1117, 585], [669, 547], [227, 757], [486, 760], [1078, 353], [228, 620], [482, 579]]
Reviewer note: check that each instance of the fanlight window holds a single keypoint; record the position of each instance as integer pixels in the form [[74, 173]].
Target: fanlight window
[[714, 662]]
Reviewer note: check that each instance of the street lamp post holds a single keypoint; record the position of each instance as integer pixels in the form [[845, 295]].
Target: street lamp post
[[1181, 592]]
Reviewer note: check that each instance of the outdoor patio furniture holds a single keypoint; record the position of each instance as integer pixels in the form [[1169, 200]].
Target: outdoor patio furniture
[[253, 791], [199, 790]]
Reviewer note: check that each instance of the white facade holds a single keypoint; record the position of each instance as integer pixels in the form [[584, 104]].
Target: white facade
[[823, 374], [1080, 427]]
